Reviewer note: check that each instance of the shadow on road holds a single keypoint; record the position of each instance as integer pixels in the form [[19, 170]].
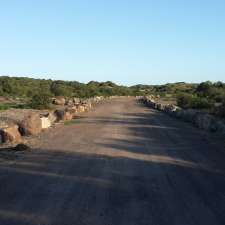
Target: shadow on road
[[94, 189], [162, 174]]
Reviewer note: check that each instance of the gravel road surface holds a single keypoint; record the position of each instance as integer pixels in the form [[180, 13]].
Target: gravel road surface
[[120, 164]]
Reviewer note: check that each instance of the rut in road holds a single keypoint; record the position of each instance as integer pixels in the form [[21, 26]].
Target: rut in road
[[121, 164]]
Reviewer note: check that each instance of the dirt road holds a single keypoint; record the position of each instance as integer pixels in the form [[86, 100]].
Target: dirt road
[[122, 164]]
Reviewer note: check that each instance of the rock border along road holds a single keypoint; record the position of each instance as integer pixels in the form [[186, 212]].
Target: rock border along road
[[121, 164]]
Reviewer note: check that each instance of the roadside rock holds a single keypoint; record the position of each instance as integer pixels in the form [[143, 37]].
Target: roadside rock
[[45, 122], [31, 124], [52, 117], [68, 116], [76, 100], [17, 122], [171, 108], [202, 120], [63, 115], [69, 102], [11, 134], [4, 124], [59, 101], [73, 111], [80, 108], [87, 105]]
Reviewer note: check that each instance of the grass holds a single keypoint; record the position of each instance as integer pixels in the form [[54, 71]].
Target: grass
[[6, 106], [69, 122]]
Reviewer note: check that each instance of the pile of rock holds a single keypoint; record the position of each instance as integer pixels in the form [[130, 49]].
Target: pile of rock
[[15, 123], [10, 134], [198, 118]]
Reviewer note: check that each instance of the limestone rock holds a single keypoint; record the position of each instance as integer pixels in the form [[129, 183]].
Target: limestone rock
[[11, 134], [63, 115], [45, 123], [59, 101], [69, 102], [80, 108], [31, 124]]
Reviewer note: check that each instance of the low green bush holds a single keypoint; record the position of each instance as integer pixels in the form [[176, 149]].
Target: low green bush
[[40, 101], [190, 101]]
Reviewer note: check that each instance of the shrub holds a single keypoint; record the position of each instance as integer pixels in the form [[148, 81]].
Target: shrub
[[184, 100], [200, 103], [61, 89], [191, 101], [40, 101]]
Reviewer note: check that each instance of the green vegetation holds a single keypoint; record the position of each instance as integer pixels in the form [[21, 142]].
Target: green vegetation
[[27, 87], [207, 95], [40, 101], [69, 122], [165, 90], [37, 92], [4, 106], [192, 101]]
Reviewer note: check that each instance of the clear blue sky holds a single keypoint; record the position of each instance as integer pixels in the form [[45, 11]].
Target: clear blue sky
[[126, 41]]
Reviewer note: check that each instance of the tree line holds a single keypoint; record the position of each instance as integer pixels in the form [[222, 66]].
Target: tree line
[[28, 87], [206, 95]]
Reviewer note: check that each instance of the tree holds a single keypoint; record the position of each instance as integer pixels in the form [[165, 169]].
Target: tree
[[185, 101], [60, 88], [40, 101]]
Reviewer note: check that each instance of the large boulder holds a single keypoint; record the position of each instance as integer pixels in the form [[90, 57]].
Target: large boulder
[[70, 102], [86, 105], [89, 105], [59, 113], [171, 108], [160, 106], [74, 108], [76, 100], [31, 124], [63, 115], [80, 108], [73, 111], [59, 101], [97, 99], [52, 117], [4, 123], [11, 134], [68, 116]]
